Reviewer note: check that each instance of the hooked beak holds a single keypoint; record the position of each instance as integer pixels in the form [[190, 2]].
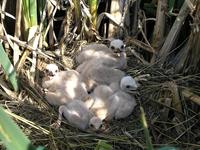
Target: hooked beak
[[116, 51], [50, 73], [132, 91]]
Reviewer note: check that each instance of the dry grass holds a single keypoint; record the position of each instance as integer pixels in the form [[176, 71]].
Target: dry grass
[[168, 124], [172, 117]]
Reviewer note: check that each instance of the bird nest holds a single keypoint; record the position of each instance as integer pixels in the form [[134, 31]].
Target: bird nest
[[169, 100]]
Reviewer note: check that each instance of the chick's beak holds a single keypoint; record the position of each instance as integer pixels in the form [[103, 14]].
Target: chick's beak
[[116, 51], [49, 73], [133, 90]]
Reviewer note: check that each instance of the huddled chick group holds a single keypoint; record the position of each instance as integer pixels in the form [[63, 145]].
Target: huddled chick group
[[98, 90]]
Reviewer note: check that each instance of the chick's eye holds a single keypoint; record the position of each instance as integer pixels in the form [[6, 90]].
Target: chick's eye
[[122, 46], [128, 86], [112, 47], [91, 125], [100, 126]]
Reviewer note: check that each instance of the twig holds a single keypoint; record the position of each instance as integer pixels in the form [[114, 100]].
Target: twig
[[146, 40], [138, 57], [50, 22], [7, 14], [25, 45], [191, 96], [140, 44], [32, 124], [186, 130]]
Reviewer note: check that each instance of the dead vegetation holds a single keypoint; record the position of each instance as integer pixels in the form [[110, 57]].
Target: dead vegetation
[[170, 96]]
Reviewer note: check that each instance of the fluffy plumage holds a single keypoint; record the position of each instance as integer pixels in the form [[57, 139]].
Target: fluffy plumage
[[99, 103], [93, 50], [78, 115], [64, 87], [99, 53], [122, 102], [97, 74], [113, 101]]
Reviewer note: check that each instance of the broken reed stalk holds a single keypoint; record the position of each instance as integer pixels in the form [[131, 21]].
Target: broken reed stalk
[[188, 58], [191, 96], [50, 9], [174, 32], [159, 28], [117, 14], [136, 7], [66, 29], [176, 102]]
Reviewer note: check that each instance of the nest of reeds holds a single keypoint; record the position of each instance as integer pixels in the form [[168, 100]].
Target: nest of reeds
[[169, 105], [169, 97]]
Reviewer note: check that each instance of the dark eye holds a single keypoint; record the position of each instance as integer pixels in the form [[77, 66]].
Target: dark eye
[[56, 71], [112, 47], [122, 47], [128, 86], [100, 126], [91, 125]]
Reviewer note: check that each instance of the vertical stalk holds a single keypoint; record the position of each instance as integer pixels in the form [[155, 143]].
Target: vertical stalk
[[116, 12], [77, 11], [30, 24], [17, 30], [93, 11], [146, 131], [174, 32], [50, 10], [159, 27], [136, 7]]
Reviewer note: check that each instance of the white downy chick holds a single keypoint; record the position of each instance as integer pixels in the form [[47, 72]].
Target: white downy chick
[[78, 115], [99, 103], [122, 102], [51, 70], [106, 56], [117, 46], [64, 87], [93, 50], [114, 101], [98, 74]]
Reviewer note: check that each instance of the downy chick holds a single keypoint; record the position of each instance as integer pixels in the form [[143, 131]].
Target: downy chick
[[63, 87], [98, 74], [78, 115], [115, 57], [122, 102], [114, 101]]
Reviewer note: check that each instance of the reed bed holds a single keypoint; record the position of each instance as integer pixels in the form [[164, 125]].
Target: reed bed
[[167, 125], [167, 114]]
